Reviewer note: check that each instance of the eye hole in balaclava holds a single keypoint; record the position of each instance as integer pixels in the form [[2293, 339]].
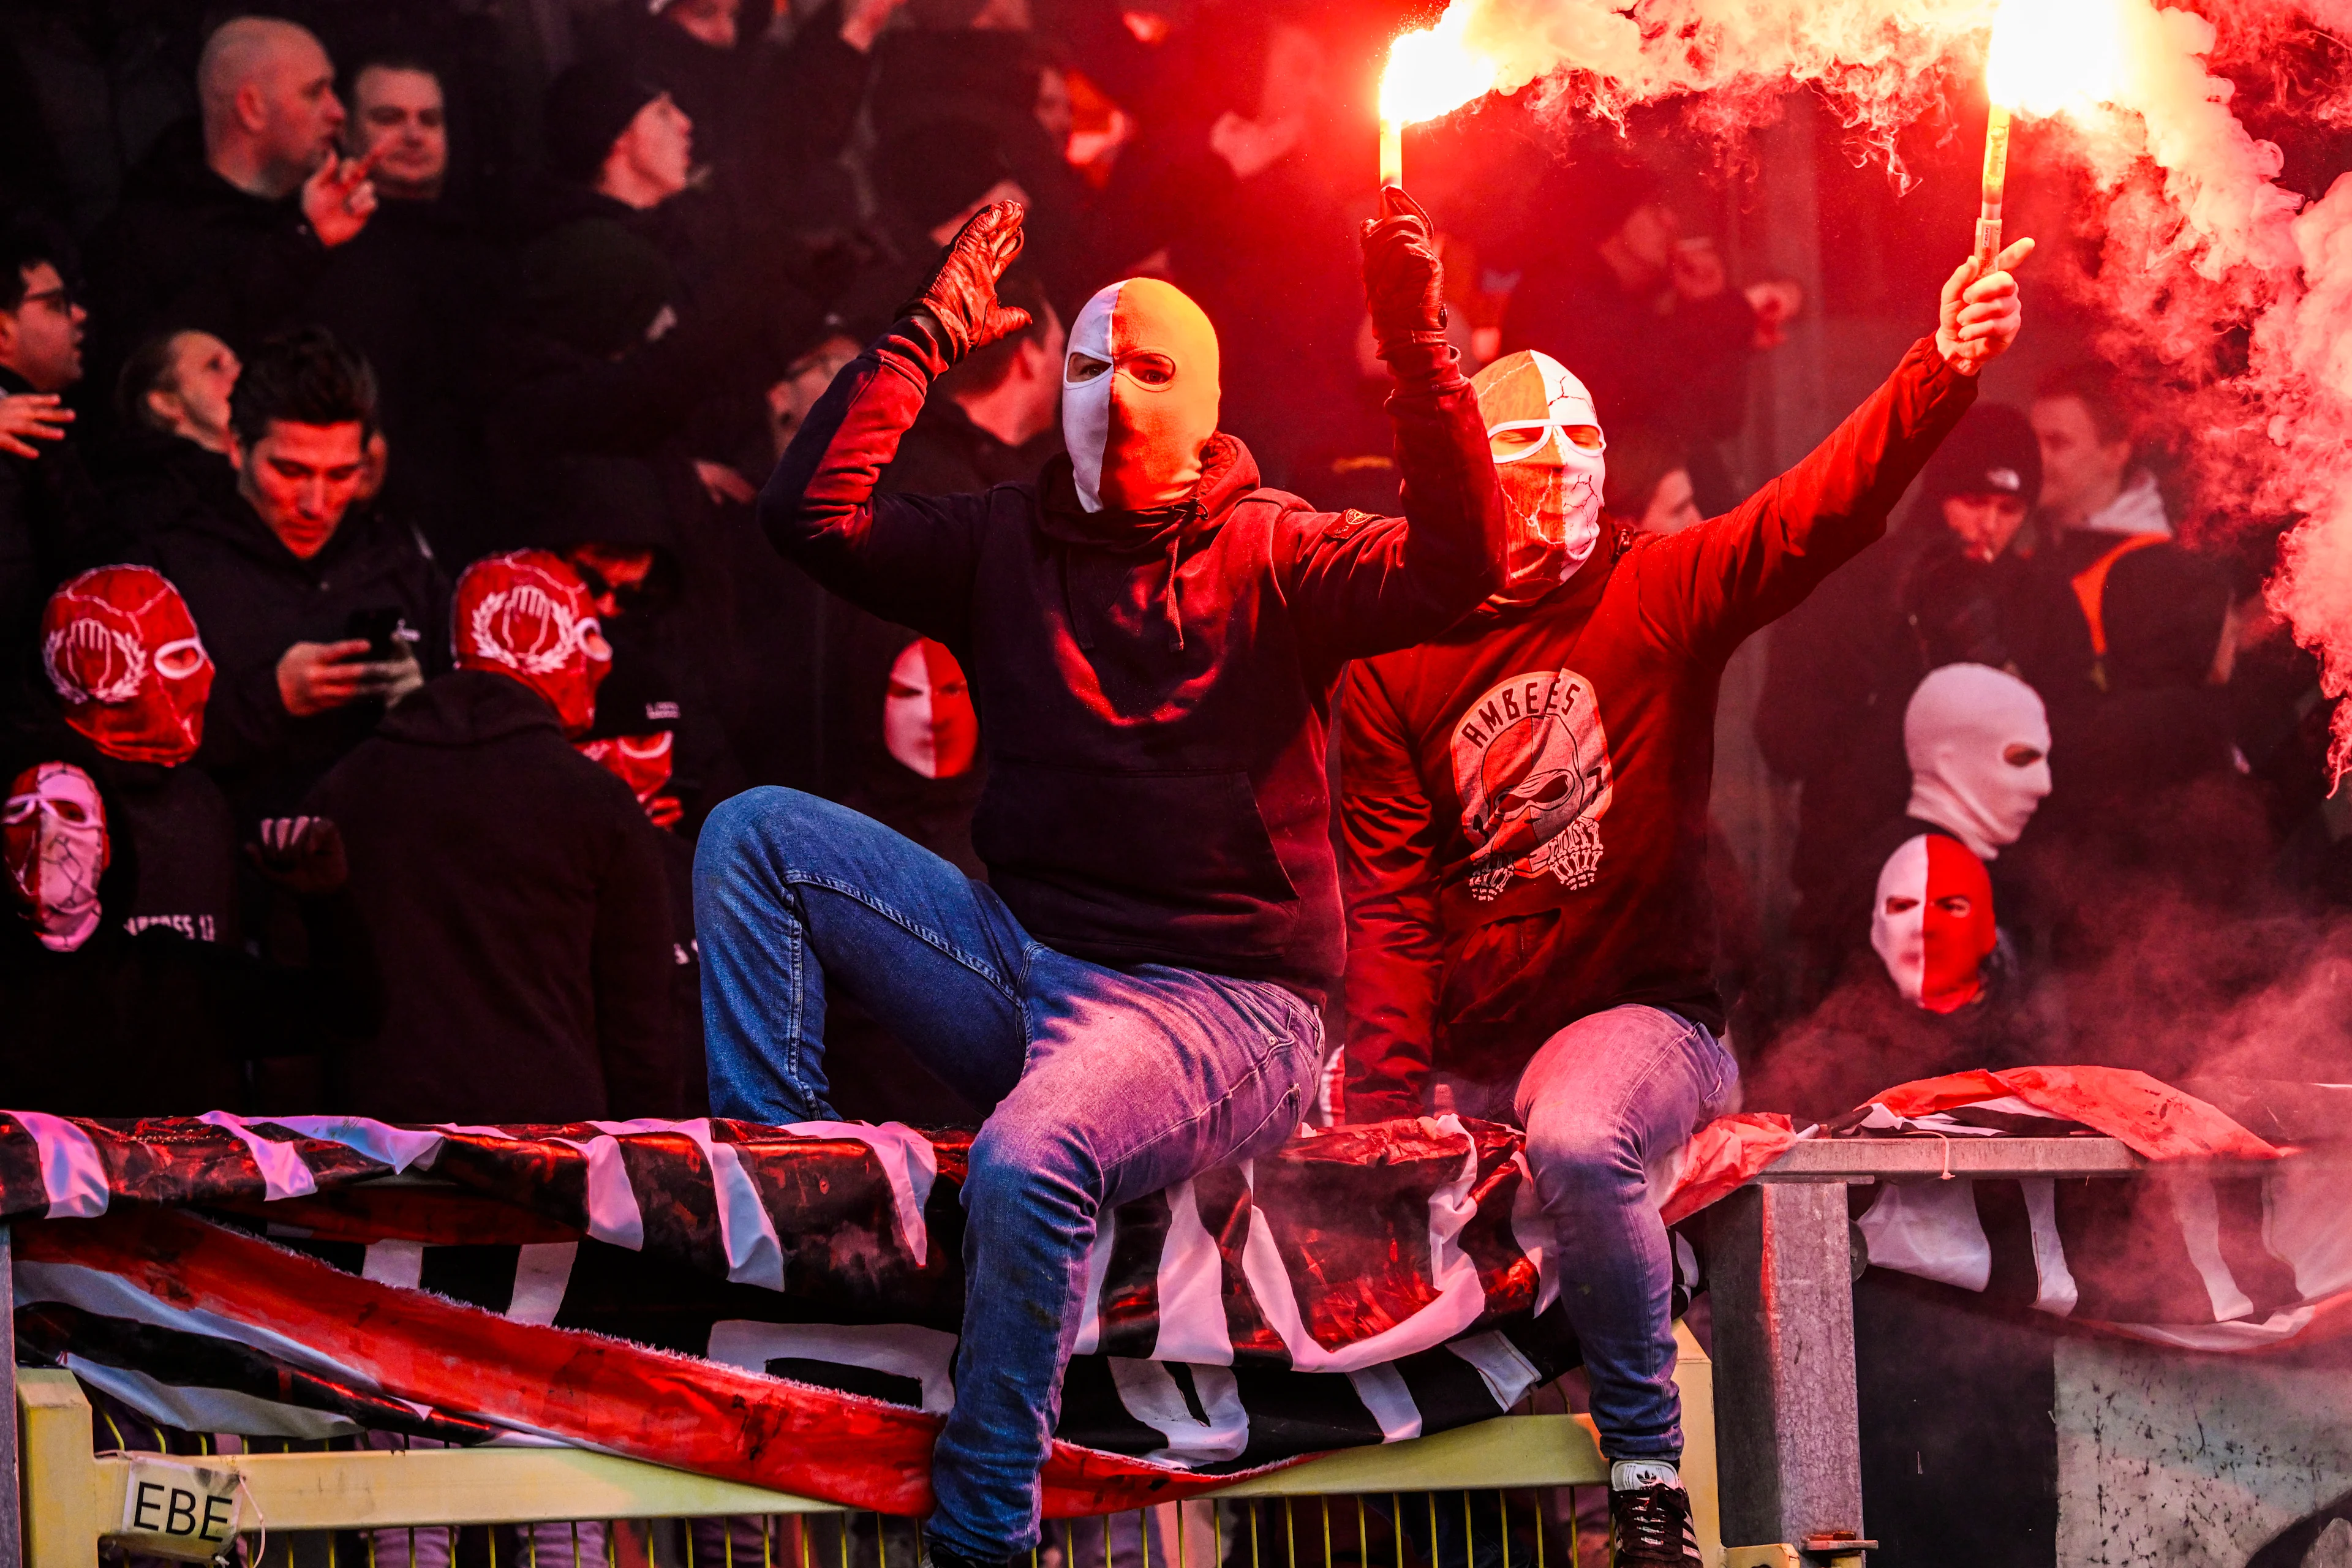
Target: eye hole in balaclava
[[1978, 744], [1544, 435], [1139, 395], [527, 615], [929, 723], [53, 837], [1933, 924], [130, 671]]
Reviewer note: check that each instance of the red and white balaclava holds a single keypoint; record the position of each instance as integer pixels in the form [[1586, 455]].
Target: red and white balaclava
[[122, 652], [53, 833], [1140, 395], [1546, 437], [927, 719], [1979, 744], [1933, 922], [641, 762], [526, 613]]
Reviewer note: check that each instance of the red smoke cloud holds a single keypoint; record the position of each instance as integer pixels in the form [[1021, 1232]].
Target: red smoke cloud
[[2231, 296]]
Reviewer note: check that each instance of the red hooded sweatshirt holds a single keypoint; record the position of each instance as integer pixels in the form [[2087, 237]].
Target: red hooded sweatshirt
[[1154, 687], [1525, 800]]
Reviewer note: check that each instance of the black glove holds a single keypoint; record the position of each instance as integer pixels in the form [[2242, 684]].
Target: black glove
[[303, 855], [1403, 281], [961, 295]]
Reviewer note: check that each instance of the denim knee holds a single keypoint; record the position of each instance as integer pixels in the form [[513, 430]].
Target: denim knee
[[1016, 1159], [1571, 1152]]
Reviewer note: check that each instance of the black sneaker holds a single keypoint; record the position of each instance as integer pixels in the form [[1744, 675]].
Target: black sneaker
[[1650, 1527], [937, 1556]]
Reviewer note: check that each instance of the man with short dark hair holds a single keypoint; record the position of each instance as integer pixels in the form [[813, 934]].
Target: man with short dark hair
[[2099, 504], [234, 240], [399, 117], [49, 507], [317, 611], [2095, 493]]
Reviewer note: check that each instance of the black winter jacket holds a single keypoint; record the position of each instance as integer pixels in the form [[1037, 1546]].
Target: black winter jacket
[[253, 599], [516, 897]]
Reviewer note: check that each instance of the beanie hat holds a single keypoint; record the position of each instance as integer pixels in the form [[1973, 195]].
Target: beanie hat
[[587, 108], [1991, 451]]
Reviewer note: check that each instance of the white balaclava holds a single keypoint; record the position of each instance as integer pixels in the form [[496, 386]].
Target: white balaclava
[[1140, 397], [1960, 730], [54, 830]]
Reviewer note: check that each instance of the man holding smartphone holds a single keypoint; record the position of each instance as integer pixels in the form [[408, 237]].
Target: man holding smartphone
[[319, 610]]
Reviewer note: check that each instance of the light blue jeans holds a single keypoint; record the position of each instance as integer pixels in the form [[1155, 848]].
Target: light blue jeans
[[1605, 1103], [1106, 1085]]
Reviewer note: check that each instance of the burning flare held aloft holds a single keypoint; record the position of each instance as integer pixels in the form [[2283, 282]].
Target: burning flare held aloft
[[2047, 57], [1429, 72]]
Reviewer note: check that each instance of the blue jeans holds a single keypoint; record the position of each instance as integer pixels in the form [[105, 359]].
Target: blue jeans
[[1106, 1085], [1605, 1103]]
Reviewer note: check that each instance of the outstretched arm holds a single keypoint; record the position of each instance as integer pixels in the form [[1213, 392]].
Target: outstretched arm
[[1388, 863], [909, 559], [1365, 585], [1712, 585]]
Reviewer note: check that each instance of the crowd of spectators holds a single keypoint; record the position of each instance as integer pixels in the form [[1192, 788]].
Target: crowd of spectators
[[382, 613]]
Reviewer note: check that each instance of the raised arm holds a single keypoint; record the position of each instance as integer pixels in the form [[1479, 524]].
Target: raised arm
[[1389, 840], [1365, 585], [909, 559], [1713, 585]]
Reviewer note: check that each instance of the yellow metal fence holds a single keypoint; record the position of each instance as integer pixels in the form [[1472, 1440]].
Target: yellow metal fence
[[1513, 1482]]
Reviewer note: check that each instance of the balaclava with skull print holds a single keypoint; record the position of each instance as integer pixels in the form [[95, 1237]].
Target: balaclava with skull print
[[1544, 435]]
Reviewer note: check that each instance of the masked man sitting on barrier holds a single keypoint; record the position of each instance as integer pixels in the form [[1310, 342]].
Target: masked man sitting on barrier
[[1152, 642], [1525, 809]]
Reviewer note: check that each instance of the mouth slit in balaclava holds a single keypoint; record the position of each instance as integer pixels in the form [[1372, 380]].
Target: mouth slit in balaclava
[[526, 613], [1551, 487], [1135, 430], [1933, 923], [1958, 732], [53, 833], [130, 671]]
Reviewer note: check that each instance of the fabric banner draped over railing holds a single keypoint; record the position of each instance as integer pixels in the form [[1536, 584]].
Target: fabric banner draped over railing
[[778, 1305]]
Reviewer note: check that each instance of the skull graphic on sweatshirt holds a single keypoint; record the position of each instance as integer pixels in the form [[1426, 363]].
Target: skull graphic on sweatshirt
[[1531, 766]]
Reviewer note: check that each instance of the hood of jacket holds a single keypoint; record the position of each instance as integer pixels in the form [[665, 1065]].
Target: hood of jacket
[[466, 708], [1156, 542]]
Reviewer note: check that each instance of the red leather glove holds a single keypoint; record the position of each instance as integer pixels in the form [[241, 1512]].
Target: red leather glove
[[961, 295], [1403, 281]]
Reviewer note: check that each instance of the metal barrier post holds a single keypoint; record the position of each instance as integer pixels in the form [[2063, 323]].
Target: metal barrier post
[[1788, 1431]]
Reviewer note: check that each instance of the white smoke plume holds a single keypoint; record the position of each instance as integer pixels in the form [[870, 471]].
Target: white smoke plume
[[2199, 245]]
